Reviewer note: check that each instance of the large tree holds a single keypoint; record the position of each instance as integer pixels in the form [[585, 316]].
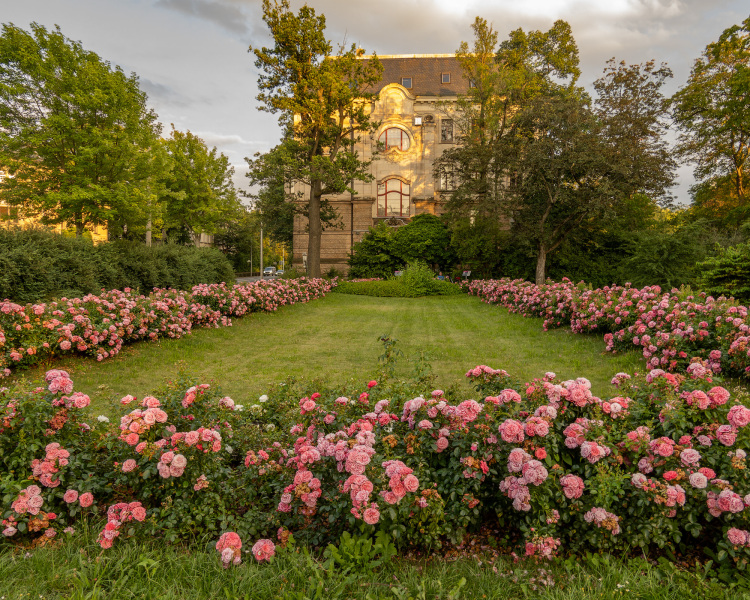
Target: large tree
[[634, 115], [199, 192], [536, 153], [321, 102], [713, 112], [75, 132]]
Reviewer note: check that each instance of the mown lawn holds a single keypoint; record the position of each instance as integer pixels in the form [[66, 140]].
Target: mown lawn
[[79, 569], [336, 339]]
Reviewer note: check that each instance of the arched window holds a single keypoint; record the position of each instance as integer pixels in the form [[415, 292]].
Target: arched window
[[393, 137], [393, 198]]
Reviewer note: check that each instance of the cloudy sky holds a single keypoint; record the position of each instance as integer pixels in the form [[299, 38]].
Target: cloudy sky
[[193, 62]]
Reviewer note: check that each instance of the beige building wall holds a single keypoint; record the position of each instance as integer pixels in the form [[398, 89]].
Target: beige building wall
[[420, 127]]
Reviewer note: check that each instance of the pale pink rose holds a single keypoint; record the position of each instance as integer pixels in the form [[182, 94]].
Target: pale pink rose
[[511, 431], [70, 496], [179, 461], [718, 395], [698, 480], [690, 457], [737, 537], [726, 434], [129, 465], [738, 416], [442, 444], [86, 499], [572, 486]]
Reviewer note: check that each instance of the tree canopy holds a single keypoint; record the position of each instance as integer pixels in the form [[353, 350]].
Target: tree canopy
[[199, 192], [713, 113], [321, 102], [536, 155], [75, 132]]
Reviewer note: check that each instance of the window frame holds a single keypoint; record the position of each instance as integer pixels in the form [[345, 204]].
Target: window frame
[[443, 77], [383, 137], [443, 129], [401, 195], [447, 180], [410, 80]]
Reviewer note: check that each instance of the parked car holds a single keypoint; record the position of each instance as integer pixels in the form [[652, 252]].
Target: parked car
[[279, 273], [269, 271]]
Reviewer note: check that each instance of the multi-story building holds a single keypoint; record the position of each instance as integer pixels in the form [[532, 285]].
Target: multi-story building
[[414, 110]]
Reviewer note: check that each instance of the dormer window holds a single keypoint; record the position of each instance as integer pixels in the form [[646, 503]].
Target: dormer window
[[445, 78], [406, 82], [395, 138]]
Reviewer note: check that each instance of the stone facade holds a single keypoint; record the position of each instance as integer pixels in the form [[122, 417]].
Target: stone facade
[[414, 110]]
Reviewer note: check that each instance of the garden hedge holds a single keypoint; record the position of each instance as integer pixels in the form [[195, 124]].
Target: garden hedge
[[37, 265]]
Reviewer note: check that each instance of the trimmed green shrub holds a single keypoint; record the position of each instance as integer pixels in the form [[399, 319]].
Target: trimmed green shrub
[[37, 264], [728, 273], [417, 280]]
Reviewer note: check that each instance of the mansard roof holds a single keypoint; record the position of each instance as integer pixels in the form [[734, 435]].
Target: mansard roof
[[425, 71]]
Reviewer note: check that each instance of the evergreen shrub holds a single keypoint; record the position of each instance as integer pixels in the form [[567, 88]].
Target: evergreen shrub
[[728, 273], [36, 265]]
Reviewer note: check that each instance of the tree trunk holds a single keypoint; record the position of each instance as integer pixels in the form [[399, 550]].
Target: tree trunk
[[541, 264], [79, 228], [315, 229]]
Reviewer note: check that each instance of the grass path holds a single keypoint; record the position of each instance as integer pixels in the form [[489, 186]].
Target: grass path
[[335, 339]]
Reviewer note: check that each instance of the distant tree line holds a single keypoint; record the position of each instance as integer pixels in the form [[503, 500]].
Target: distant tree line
[[81, 147]]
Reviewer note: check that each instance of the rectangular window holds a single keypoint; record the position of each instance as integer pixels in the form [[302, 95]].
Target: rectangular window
[[447, 179], [406, 82], [445, 78], [446, 131]]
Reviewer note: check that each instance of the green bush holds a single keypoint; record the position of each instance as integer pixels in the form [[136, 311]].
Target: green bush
[[384, 250], [728, 273], [417, 276], [37, 264], [417, 280]]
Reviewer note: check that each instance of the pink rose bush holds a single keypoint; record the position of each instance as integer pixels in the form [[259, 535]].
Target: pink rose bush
[[564, 468], [669, 328], [99, 325]]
